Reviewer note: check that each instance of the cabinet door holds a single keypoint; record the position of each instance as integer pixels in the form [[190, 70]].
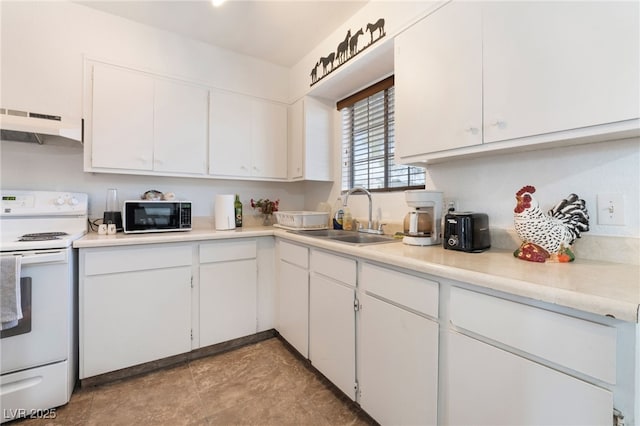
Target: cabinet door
[[310, 140], [489, 386], [438, 84], [122, 119], [295, 117], [230, 142], [228, 301], [332, 339], [318, 140], [180, 128], [399, 364], [268, 139], [293, 306], [134, 317], [563, 65]]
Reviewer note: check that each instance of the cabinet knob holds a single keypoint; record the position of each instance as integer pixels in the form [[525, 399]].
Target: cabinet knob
[[473, 130]]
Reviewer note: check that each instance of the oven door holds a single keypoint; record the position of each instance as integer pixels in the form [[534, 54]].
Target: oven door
[[51, 311]]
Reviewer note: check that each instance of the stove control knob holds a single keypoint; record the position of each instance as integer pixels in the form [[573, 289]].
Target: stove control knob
[[60, 201], [73, 201]]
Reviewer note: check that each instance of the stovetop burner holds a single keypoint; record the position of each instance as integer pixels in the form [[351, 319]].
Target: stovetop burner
[[42, 236]]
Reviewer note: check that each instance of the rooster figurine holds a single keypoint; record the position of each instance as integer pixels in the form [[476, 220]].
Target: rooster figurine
[[548, 236]]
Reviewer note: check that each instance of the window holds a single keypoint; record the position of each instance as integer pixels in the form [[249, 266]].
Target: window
[[368, 140]]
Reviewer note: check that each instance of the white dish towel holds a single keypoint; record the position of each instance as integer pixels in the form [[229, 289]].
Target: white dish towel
[[10, 302]]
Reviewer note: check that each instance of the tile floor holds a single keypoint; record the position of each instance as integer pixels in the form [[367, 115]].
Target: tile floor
[[259, 384]]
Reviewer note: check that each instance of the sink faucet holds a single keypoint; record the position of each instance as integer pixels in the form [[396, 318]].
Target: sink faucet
[[369, 229]]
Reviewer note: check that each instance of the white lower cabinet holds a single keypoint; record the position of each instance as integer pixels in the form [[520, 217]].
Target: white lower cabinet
[[399, 364], [293, 295], [332, 332], [510, 363], [398, 347], [228, 290], [135, 306], [490, 386], [332, 319]]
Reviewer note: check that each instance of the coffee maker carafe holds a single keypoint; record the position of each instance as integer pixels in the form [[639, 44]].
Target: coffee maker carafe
[[423, 225]]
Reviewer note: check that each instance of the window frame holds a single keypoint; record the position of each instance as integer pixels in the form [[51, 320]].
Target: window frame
[[384, 85]]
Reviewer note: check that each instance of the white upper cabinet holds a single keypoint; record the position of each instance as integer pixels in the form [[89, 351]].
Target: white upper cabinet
[[268, 139], [475, 77], [230, 151], [553, 66], [438, 82], [143, 123], [310, 140], [248, 137], [180, 127], [122, 119], [140, 122]]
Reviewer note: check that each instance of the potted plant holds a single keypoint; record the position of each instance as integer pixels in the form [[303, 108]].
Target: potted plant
[[266, 207]]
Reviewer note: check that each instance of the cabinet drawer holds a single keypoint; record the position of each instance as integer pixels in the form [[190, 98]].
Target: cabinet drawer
[[481, 376], [294, 254], [228, 250], [334, 266], [415, 293], [578, 344], [135, 258]]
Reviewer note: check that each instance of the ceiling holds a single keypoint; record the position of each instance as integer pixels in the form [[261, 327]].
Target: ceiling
[[278, 31]]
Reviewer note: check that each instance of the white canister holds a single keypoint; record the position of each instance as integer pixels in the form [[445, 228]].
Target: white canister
[[224, 212]]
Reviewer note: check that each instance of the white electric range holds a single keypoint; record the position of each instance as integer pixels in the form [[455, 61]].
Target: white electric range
[[38, 363]]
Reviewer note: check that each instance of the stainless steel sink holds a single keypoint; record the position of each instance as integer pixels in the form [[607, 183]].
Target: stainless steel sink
[[348, 237]]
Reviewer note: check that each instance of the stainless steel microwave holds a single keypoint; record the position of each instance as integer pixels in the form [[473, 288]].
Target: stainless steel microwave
[[156, 216]]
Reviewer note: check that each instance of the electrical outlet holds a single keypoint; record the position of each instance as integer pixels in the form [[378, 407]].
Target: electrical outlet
[[610, 209]]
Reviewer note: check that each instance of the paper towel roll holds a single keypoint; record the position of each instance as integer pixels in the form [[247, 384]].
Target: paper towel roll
[[224, 212]]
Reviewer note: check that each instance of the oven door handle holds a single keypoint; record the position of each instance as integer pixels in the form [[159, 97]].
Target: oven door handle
[[56, 256]]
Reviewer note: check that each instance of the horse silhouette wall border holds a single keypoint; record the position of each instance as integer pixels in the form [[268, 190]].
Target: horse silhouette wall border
[[346, 50]]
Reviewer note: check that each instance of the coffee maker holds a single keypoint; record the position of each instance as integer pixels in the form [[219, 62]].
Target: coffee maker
[[423, 225]]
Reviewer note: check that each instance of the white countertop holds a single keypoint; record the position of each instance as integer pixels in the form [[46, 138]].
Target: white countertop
[[93, 240], [597, 287]]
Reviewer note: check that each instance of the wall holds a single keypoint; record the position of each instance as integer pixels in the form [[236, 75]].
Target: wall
[[59, 168], [489, 184], [397, 15], [42, 49]]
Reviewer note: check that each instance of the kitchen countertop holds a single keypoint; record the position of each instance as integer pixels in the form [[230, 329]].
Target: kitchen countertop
[[93, 240], [598, 287], [601, 288]]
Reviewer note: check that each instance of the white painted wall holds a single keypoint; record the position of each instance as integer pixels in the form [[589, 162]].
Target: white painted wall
[[42, 49], [486, 184], [397, 14], [59, 168], [43, 44]]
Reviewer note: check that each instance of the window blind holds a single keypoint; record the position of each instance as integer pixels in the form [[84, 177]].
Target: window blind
[[368, 145]]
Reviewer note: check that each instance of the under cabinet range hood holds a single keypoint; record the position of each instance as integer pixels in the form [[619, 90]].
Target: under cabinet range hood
[[24, 126]]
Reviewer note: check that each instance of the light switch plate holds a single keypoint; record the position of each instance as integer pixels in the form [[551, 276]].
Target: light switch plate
[[610, 209]]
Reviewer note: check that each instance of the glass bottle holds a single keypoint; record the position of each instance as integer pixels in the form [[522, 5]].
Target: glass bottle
[[237, 208]]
